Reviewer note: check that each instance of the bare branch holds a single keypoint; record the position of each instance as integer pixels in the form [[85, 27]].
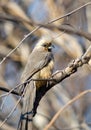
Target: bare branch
[[15, 19], [7, 127], [70, 13], [7, 90], [19, 44], [51, 21], [54, 20], [11, 91], [70, 30], [61, 75], [72, 67], [11, 112], [66, 106]]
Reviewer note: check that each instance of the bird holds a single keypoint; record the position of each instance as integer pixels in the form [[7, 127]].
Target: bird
[[40, 66]]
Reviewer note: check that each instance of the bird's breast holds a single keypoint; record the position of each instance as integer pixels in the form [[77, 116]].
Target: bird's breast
[[45, 73]]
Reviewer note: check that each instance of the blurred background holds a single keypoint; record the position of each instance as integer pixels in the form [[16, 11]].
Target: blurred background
[[17, 19]]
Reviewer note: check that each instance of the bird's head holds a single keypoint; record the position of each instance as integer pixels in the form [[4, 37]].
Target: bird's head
[[45, 43]]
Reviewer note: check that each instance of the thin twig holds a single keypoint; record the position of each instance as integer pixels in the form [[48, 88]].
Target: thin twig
[[40, 26], [6, 126], [64, 107], [19, 44], [3, 95], [11, 112], [15, 19], [70, 13], [16, 93], [7, 90], [51, 21], [10, 91]]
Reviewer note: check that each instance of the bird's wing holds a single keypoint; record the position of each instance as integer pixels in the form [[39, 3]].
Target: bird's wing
[[36, 62]]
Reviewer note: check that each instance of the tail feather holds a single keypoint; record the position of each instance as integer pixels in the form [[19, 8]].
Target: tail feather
[[27, 109]]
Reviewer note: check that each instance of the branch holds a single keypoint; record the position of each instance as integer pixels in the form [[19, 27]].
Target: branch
[[51, 21], [70, 13], [12, 91], [12, 111], [39, 26], [66, 106], [7, 90], [61, 75], [72, 68], [4, 17], [70, 30], [7, 126], [56, 77], [20, 43], [65, 28]]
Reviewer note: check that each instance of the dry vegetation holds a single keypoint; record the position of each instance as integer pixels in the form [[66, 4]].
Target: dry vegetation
[[22, 23]]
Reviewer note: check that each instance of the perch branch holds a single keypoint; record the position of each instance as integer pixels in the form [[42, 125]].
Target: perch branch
[[72, 68], [61, 75]]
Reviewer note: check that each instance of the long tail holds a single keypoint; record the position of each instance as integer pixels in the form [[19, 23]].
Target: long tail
[[27, 110]]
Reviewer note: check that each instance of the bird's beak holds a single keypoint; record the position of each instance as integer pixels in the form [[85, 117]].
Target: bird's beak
[[50, 47]]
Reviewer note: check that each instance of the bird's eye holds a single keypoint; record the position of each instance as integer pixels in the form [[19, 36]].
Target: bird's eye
[[45, 45]]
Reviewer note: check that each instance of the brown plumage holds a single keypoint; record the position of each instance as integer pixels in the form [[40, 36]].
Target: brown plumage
[[41, 61], [39, 66]]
